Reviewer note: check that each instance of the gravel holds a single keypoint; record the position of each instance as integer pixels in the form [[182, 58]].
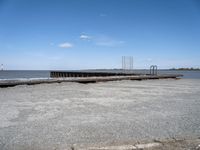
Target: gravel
[[59, 116]]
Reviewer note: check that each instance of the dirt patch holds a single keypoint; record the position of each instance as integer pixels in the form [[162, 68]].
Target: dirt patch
[[169, 144]]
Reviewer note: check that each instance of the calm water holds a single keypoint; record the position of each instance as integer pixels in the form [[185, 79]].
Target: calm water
[[18, 74], [45, 74]]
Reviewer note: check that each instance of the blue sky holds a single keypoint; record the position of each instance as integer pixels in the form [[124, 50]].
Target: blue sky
[[83, 34]]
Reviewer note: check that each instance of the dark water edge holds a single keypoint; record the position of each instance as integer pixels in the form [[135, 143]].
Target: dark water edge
[[31, 74], [24, 74]]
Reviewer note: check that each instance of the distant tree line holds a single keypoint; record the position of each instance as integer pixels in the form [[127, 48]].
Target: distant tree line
[[185, 68]]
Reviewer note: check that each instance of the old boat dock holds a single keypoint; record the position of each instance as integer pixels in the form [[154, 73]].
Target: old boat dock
[[87, 77]]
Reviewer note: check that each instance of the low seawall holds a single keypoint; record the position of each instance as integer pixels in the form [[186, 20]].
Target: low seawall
[[82, 79], [61, 74]]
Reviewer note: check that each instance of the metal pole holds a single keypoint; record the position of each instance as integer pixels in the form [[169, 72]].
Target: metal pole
[[122, 62], [131, 62], [2, 67]]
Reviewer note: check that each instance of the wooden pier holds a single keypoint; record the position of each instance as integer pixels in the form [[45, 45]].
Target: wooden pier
[[86, 77]]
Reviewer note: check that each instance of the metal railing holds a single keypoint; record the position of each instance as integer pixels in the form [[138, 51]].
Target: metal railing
[[153, 70]]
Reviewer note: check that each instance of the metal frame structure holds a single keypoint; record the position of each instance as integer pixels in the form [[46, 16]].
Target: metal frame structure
[[127, 63]]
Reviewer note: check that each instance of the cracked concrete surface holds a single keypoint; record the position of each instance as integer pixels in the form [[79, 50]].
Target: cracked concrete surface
[[57, 116]]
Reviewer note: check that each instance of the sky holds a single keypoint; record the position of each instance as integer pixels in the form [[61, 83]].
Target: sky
[[94, 34]]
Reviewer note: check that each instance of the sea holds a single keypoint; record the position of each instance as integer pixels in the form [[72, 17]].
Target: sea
[[40, 74]]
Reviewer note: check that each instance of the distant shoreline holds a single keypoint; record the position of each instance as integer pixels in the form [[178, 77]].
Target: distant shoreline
[[186, 69]]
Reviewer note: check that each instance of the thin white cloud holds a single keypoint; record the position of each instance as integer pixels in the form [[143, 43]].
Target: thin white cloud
[[85, 37], [65, 45], [149, 59], [54, 58], [102, 40], [109, 42], [103, 15]]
